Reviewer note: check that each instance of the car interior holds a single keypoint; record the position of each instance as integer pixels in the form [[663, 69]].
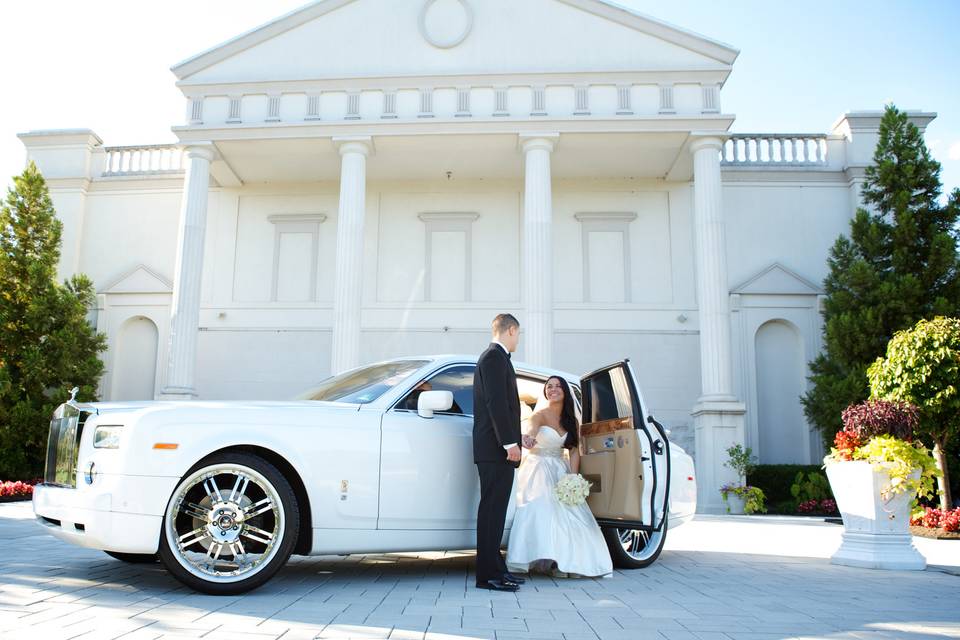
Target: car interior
[[611, 457]]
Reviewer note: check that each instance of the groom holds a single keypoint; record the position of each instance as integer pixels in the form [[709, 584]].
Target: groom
[[496, 450]]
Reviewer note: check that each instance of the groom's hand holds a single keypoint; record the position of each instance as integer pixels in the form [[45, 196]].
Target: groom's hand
[[513, 454]]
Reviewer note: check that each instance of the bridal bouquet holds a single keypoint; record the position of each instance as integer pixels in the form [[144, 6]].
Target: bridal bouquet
[[572, 490]]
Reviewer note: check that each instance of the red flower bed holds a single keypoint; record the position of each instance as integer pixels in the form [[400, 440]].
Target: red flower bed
[[18, 490], [826, 506], [949, 521]]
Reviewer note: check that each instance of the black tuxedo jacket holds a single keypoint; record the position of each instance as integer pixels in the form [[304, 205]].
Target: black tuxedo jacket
[[496, 406]]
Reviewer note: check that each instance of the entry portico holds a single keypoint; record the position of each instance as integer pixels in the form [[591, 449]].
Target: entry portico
[[646, 105]]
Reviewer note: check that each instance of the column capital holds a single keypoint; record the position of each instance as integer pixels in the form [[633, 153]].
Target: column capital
[[206, 150], [354, 144], [547, 141], [698, 142]]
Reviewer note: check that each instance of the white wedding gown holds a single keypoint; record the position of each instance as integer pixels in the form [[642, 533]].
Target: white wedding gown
[[545, 529]]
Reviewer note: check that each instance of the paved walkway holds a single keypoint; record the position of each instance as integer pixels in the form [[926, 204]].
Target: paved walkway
[[721, 578]]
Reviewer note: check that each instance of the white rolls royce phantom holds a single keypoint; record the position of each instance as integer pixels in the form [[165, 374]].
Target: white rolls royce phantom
[[376, 459]]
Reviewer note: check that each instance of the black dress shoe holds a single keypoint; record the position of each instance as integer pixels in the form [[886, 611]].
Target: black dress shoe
[[497, 585], [509, 577]]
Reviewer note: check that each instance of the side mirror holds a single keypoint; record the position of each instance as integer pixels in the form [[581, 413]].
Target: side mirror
[[430, 401]]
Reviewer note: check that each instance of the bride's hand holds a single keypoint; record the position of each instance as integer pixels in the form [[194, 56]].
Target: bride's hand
[[528, 442]]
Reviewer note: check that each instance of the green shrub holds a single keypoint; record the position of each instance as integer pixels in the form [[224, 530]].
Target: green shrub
[[811, 486], [776, 480]]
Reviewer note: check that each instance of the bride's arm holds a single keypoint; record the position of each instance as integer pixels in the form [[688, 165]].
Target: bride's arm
[[528, 440], [574, 459]]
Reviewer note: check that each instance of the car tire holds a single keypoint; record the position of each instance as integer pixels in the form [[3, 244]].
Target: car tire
[[133, 558], [259, 512], [635, 549]]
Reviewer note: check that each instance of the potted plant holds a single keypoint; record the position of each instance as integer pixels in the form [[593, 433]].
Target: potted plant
[[876, 471], [739, 496]]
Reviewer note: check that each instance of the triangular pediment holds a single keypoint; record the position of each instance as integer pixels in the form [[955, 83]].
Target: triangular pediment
[[386, 38], [778, 280], [141, 279]]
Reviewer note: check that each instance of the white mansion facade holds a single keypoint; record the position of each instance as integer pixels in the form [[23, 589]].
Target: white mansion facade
[[364, 179]]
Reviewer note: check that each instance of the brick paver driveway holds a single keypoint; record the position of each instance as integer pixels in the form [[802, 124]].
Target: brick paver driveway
[[718, 580]]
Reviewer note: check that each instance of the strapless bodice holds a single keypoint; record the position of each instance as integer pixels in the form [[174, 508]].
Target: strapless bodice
[[549, 443]]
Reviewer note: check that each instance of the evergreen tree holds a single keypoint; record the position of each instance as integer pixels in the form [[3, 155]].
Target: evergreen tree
[[46, 344], [899, 265]]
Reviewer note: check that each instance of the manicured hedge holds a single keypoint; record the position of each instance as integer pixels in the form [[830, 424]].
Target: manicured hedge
[[775, 481]]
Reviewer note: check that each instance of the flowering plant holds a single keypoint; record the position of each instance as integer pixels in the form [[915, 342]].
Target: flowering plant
[[572, 489], [753, 497], [937, 519], [881, 432], [16, 489], [826, 505]]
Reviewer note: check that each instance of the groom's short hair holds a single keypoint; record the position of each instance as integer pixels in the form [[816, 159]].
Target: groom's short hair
[[503, 322]]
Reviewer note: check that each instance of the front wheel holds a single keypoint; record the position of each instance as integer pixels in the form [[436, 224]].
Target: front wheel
[[230, 524], [635, 548]]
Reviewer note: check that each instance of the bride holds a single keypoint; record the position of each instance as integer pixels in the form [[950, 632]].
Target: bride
[[547, 535]]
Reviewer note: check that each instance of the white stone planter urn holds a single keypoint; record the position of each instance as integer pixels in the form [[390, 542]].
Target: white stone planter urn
[[876, 532], [735, 504]]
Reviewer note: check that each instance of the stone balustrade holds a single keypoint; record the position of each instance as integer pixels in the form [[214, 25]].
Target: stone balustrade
[[151, 159], [775, 150]]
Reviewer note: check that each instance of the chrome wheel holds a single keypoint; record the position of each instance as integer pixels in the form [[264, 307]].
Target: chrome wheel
[[224, 523], [635, 548], [639, 545]]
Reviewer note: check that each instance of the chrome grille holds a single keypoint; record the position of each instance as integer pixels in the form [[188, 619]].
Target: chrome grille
[[62, 446]]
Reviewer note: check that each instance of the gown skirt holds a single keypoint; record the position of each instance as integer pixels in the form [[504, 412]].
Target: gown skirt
[[546, 531]]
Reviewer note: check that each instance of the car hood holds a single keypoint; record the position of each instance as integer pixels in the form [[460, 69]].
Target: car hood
[[209, 405]]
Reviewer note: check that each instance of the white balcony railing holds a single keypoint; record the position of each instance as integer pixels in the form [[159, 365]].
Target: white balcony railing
[[151, 159], [775, 150]]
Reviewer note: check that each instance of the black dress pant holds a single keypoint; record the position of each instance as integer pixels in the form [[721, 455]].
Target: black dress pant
[[496, 482]]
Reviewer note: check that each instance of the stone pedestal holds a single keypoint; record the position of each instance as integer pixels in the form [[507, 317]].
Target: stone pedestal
[[717, 425], [876, 533]]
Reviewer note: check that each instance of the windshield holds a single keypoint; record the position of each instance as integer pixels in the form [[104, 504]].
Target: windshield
[[363, 385]]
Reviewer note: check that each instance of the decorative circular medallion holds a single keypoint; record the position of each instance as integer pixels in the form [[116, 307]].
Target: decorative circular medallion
[[445, 23]]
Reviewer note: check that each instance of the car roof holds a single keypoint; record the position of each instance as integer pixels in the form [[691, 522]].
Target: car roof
[[450, 358]]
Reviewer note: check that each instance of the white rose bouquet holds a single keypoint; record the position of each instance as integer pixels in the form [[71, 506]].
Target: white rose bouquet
[[572, 490]]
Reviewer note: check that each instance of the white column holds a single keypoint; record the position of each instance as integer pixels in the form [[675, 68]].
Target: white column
[[718, 416], [345, 349], [537, 284], [711, 264], [185, 309]]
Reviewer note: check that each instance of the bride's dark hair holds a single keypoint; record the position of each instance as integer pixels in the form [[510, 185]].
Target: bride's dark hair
[[568, 417]]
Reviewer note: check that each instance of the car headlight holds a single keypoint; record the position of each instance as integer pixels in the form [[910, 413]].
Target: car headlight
[[106, 436]]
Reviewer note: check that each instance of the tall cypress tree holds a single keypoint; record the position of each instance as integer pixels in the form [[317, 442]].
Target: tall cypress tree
[[46, 344], [900, 264]]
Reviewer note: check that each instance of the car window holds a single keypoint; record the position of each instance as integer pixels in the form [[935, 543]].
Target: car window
[[363, 385], [457, 379], [608, 395]]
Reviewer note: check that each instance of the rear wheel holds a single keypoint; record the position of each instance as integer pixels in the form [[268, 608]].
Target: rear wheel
[[231, 524], [133, 558], [635, 548]]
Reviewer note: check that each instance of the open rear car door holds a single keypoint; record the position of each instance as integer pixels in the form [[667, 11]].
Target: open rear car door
[[625, 454]]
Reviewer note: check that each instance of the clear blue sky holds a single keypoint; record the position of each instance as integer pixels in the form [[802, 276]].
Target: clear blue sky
[[104, 64], [804, 63]]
